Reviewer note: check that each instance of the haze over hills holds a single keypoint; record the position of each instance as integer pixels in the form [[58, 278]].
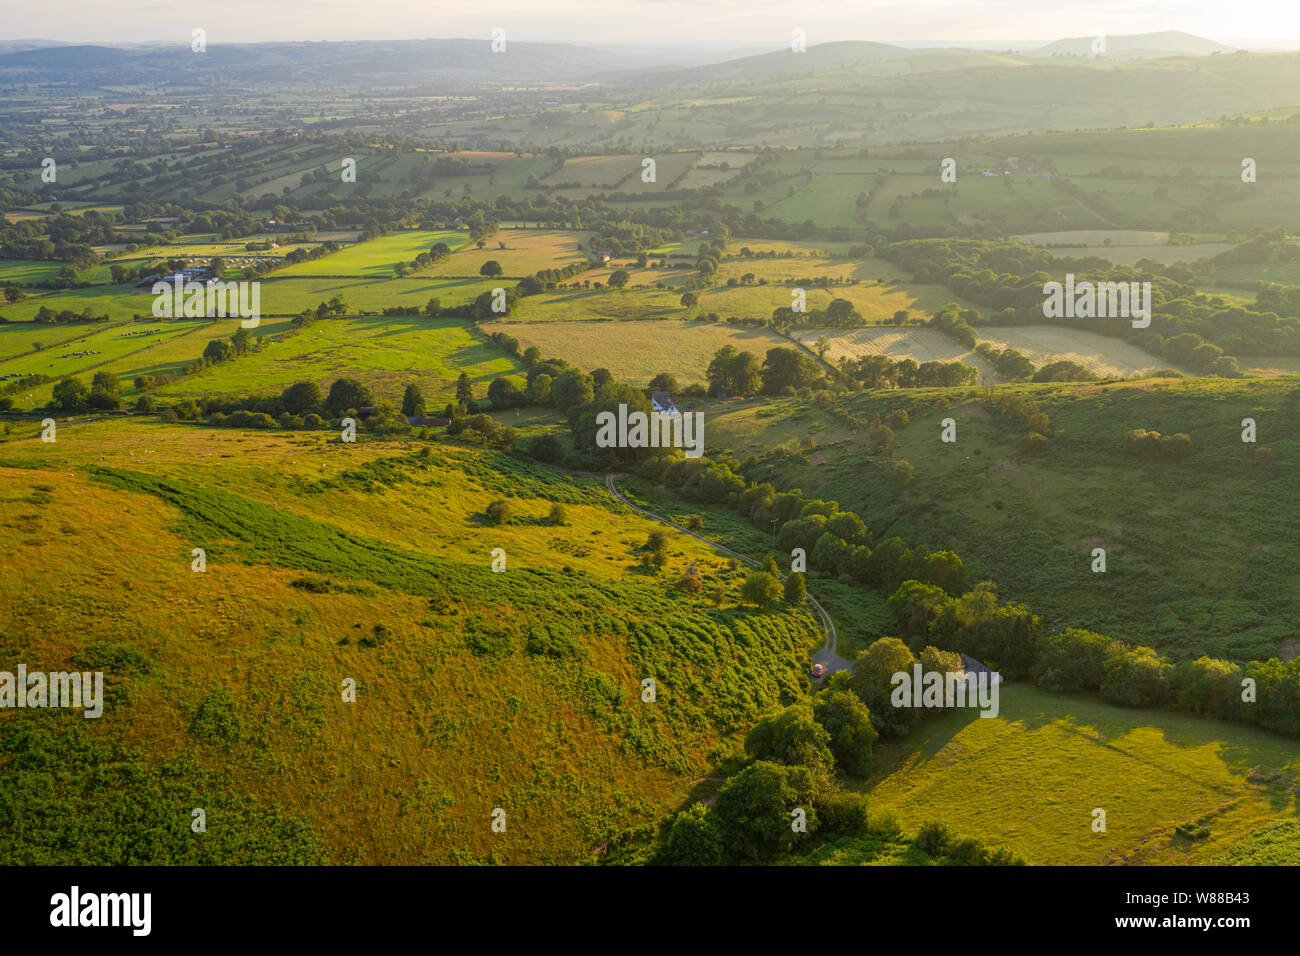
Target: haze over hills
[[472, 62], [1136, 46]]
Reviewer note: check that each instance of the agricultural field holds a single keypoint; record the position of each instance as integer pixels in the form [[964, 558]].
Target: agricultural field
[[520, 252], [1104, 355], [918, 344], [638, 351], [237, 552], [385, 354], [376, 257]]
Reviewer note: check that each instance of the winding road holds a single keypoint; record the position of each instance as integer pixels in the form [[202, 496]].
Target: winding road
[[826, 656]]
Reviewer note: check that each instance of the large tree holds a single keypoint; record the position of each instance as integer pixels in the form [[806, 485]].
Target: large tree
[[346, 394], [412, 401], [464, 390]]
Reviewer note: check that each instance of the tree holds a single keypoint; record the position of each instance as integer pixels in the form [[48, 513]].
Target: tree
[[218, 350], [848, 723], [491, 269], [795, 588], [70, 394], [792, 737], [547, 448], [412, 401], [752, 813], [689, 299], [299, 397], [663, 382], [504, 393], [346, 394], [571, 389], [532, 355], [733, 372], [761, 589], [464, 390], [872, 681], [692, 841], [618, 278], [105, 391], [786, 368], [107, 383], [499, 512]]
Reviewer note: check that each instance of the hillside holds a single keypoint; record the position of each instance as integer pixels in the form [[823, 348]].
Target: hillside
[[1197, 554], [474, 690]]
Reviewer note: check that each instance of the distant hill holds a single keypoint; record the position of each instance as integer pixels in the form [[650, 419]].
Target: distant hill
[[1135, 46], [68, 58], [15, 46], [456, 62], [818, 58]]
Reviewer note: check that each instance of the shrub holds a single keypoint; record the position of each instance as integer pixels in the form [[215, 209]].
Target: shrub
[[934, 838], [499, 512]]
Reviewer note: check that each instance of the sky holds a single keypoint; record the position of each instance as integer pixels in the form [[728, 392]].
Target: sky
[[715, 24]]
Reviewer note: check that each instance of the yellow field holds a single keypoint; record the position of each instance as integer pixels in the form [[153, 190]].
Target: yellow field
[[526, 252], [1106, 356], [918, 344], [637, 351]]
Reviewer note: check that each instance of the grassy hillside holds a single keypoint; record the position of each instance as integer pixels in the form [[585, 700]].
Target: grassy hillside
[[475, 690], [1198, 560]]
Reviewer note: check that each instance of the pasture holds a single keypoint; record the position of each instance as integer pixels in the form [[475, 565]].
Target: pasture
[[375, 258], [1031, 778], [383, 353]]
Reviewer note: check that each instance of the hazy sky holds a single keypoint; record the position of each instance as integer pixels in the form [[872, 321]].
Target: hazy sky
[[720, 24]]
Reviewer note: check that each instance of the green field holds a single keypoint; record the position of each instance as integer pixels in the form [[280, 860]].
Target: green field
[[383, 353], [377, 257], [1031, 778]]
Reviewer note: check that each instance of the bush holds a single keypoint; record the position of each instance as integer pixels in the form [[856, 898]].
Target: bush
[[499, 512], [934, 838], [558, 515]]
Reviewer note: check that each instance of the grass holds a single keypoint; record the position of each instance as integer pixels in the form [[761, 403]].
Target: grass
[[637, 351], [1031, 778], [526, 251], [475, 690], [1198, 561], [383, 353], [377, 257]]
